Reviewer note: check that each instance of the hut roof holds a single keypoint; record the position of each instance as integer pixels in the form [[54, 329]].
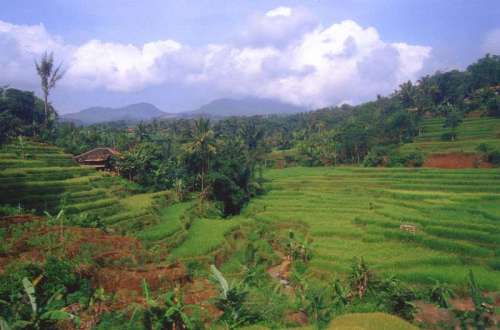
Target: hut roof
[[97, 154]]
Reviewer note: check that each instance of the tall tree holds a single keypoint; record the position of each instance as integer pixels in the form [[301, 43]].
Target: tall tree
[[49, 76], [453, 119], [203, 145]]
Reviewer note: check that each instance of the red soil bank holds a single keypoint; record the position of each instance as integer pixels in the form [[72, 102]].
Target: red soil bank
[[456, 160]]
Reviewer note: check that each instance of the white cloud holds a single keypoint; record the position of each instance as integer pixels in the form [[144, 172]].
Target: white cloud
[[491, 43], [280, 11], [285, 54], [120, 67], [322, 67], [277, 27], [20, 45]]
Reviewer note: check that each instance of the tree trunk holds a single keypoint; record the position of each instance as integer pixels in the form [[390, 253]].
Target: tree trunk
[[46, 104]]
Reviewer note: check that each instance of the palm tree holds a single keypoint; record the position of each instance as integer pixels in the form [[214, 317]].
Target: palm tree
[[203, 145], [252, 137], [49, 77]]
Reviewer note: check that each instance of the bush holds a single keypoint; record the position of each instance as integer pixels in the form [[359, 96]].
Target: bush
[[494, 157], [86, 220], [58, 273], [415, 159], [449, 136], [9, 210], [398, 298], [484, 148], [378, 156]]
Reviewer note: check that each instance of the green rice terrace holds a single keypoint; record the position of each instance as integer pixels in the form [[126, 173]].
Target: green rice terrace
[[473, 132], [357, 212], [343, 213], [40, 177]]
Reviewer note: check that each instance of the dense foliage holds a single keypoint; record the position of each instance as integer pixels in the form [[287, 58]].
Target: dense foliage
[[21, 113]]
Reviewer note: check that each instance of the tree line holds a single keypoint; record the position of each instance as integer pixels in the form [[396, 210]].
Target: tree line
[[223, 159]]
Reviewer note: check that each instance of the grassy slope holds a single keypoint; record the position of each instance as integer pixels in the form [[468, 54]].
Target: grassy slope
[[471, 133], [42, 177], [356, 212], [169, 223], [204, 236], [370, 321]]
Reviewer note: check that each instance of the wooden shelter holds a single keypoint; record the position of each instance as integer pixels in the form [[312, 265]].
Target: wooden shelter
[[98, 158]]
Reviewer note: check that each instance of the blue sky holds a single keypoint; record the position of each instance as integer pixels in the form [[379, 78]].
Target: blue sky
[[181, 54]]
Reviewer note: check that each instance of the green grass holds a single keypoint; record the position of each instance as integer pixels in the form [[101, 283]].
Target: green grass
[[369, 321], [356, 212], [204, 236], [141, 201], [169, 223]]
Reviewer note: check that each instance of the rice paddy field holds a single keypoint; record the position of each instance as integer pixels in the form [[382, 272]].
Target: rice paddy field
[[348, 212], [357, 212], [37, 177], [470, 134]]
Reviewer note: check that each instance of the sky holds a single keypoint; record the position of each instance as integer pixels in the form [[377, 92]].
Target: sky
[[181, 54]]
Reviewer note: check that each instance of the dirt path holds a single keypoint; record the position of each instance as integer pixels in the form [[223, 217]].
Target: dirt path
[[281, 273]]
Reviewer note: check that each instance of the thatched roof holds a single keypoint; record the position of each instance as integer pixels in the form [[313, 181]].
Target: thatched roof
[[96, 155]]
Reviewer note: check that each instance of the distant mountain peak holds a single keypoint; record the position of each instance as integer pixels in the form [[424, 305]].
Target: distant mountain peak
[[247, 106], [133, 113]]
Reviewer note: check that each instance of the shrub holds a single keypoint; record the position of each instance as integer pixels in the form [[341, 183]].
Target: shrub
[[449, 136], [484, 148], [377, 156], [415, 159], [398, 297], [440, 294], [86, 220], [494, 157]]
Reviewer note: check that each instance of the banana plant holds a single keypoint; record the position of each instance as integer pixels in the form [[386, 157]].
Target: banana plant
[[58, 219], [171, 314], [41, 316], [231, 301], [441, 294]]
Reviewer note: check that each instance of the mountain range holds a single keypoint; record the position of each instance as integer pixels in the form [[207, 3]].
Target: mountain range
[[216, 109], [130, 113]]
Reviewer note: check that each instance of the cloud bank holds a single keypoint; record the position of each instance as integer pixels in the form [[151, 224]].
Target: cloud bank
[[284, 54]]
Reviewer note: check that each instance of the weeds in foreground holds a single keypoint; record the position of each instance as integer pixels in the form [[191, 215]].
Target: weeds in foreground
[[482, 315], [169, 313]]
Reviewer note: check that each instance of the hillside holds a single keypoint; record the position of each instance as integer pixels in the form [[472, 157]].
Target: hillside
[[131, 113], [41, 177], [356, 212], [470, 134]]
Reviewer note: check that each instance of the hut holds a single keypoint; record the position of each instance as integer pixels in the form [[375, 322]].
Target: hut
[[98, 158]]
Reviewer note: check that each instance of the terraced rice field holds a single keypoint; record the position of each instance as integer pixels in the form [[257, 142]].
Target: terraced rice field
[[348, 212], [470, 134], [41, 177], [357, 212]]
